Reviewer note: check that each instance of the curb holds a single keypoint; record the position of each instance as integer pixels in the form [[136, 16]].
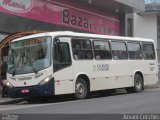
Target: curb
[[155, 86], [11, 101]]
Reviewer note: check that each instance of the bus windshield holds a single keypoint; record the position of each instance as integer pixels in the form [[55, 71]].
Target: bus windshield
[[29, 55]]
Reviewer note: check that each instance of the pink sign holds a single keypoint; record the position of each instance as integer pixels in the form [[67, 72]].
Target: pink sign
[[63, 15]]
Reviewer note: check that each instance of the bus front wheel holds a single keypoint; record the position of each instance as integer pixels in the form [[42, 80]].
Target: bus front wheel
[[81, 90]]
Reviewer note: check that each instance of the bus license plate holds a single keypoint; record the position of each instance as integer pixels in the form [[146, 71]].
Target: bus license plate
[[25, 91]]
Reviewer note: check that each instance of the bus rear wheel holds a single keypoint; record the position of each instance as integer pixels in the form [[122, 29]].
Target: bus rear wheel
[[138, 84], [81, 90]]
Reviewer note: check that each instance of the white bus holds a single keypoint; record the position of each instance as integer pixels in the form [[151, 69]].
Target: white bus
[[56, 63]]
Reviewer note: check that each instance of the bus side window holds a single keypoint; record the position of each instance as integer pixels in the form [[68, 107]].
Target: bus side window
[[102, 50], [119, 50], [76, 51], [148, 51], [87, 49], [82, 49], [134, 50]]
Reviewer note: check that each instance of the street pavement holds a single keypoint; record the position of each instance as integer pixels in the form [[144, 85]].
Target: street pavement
[[7, 100], [118, 106], [146, 102]]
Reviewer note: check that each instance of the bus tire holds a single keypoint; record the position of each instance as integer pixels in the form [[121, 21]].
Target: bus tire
[[81, 90], [138, 83]]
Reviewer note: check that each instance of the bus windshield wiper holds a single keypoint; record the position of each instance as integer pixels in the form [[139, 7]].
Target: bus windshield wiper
[[35, 71]]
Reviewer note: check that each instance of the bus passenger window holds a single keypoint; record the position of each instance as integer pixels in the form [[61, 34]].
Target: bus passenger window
[[148, 51], [134, 50], [76, 47], [119, 50], [77, 52], [87, 50], [82, 49], [102, 50]]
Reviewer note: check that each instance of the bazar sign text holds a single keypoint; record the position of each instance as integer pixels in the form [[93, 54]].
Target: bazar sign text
[[90, 23]]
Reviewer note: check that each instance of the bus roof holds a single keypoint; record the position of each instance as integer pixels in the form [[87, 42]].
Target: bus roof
[[87, 35]]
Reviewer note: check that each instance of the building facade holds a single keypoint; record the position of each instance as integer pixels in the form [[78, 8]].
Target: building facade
[[147, 23], [92, 16]]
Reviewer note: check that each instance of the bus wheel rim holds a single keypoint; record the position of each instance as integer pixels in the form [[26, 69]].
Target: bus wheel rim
[[80, 89], [138, 83]]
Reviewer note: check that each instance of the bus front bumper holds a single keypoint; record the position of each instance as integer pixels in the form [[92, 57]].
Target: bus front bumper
[[46, 89]]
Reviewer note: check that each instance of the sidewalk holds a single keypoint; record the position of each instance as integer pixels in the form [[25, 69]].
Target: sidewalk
[[152, 86], [7, 100]]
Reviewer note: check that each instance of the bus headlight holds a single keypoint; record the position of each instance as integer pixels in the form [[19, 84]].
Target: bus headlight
[[8, 84], [45, 80]]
